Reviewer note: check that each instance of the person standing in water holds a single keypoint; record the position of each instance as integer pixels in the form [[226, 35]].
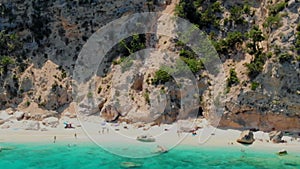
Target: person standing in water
[[54, 139], [75, 135]]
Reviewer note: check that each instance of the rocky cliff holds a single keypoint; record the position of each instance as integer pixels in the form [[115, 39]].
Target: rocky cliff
[[257, 41]]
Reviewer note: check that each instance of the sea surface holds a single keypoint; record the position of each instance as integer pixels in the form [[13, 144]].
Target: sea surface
[[90, 156]]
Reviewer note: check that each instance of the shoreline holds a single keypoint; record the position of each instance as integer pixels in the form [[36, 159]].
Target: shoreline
[[221, 138]]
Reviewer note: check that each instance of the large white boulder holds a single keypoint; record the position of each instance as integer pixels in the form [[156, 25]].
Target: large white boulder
[[246, 137], [31, 125], [51, 122], [4, 116], [19, 115]]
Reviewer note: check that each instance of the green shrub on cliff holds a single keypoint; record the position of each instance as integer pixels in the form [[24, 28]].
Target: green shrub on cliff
[[275, 9], [285, 57], [256, 66], [254, 85], [255, 35], [273, 21], [162, 75], [233, 79], [223, 46], [297, 43]]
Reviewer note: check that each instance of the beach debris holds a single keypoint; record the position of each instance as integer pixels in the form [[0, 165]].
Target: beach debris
[[276, 136], [282, 152], [246, 137], [128, 164], [146, 138]]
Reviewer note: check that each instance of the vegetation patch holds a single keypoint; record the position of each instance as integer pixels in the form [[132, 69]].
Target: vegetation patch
[[162, 75], [275, 9], [233, 79], [254, 85], [297, 43], [226, 45], [273, 21], [285, 57]]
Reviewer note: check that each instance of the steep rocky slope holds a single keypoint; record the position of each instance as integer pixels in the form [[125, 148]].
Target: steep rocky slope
[[261, 63]]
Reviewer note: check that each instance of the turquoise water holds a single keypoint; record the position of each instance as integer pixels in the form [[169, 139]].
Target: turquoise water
[[84, 156]]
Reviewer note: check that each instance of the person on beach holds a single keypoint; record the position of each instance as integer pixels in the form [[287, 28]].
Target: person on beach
[[75, 135], [54, 139]]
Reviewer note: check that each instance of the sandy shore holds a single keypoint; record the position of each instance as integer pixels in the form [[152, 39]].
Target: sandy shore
[[167, 135]]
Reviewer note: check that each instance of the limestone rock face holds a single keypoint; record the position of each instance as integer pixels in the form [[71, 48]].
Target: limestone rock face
[[110, 113], [246, 137], [27, 84], [54, 37], [138, 82], [276, 136], [91, 105]]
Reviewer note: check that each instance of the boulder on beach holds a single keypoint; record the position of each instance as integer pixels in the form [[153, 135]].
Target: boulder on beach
[[19, 115], [282, 152], [246, 137], [50, 121], [2, 122], [276, 136], [4, 116], [32, 125]]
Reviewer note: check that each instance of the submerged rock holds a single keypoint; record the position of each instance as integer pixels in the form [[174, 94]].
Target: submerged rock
[[127, 164], [246, 137]]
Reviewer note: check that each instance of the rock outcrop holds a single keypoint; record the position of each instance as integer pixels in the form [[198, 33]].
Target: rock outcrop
[[276, 136], [19, 115], [246, 137], [282, 152], [110, 113], [52, 37]]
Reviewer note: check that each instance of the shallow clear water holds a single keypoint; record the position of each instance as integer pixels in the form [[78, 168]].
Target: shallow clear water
[[90, 156]]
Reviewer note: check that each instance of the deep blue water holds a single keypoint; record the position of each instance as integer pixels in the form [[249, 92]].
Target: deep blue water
[[90, 156]]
